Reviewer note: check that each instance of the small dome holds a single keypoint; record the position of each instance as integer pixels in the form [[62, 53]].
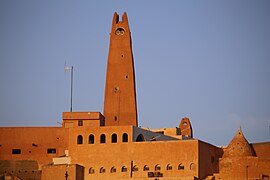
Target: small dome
[[238, 146]]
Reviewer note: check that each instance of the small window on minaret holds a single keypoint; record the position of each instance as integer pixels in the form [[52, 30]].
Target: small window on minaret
[[116, 89], [126, 76], [115, 118]]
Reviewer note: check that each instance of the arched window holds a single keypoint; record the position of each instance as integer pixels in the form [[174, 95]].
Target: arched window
[[157, 167], [124, 169], [114, 138], [181, 166], [146, 168], [91, 139], [140, 138], [113, 170], [169, 167], [102, 170], [79, 139], [125, 137], [102, 138], [192, 167], [135, 168], [91, 170]]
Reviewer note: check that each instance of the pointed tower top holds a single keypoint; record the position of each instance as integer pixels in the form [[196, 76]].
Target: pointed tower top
[[120, 22], [115, 18], [238, 146], [124, 17]]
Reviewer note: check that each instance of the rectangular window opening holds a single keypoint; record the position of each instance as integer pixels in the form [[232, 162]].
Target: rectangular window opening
[[51, 151], [16, 151], [80, 123], [181, 167]]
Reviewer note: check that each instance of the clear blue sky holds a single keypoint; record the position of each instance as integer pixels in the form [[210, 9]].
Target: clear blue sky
[[207, 60]]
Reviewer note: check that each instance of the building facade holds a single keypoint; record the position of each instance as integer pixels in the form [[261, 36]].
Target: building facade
[[92, 145]]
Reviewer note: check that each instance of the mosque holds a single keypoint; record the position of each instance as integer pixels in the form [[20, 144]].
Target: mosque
[[111, 145]]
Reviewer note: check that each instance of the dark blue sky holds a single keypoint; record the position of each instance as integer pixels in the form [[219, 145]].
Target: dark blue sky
[[207, 60]]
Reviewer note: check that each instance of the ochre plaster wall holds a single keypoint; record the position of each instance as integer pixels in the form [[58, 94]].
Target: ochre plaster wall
[[139, 154], [208, 159], [262, 150], [23, 169], [58, 172], [33, 142], [239, 168]]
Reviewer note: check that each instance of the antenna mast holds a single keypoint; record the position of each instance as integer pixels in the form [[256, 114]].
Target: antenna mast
[[70, 68]]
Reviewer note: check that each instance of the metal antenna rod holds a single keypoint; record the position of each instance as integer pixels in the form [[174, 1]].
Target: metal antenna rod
[[71, 88], [70, 68]]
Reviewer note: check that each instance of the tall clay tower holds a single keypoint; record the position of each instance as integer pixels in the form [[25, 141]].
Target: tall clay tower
[[120, 106]]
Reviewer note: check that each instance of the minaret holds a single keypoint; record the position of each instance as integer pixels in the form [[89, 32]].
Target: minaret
[[120, 106]]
